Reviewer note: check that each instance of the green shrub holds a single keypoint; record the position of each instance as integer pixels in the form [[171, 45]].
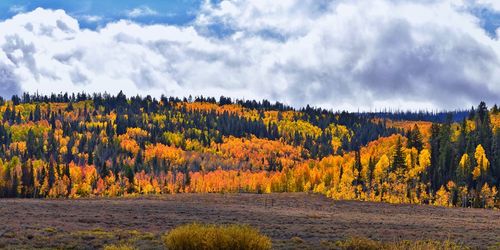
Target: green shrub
[[208, 237]]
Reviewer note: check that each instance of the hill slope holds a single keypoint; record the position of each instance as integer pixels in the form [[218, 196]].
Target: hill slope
[[102, 145]]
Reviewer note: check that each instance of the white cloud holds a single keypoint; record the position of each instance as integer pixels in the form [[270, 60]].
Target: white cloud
[[141, 11], [341, 55], [494, 4]]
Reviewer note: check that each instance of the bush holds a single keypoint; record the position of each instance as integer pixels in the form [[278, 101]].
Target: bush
[[208, 237], [119, 247], [357, 243]]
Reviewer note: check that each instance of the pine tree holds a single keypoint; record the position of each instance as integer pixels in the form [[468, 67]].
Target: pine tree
[[398, 160], [52, 173], [37, 116], [415, 138]]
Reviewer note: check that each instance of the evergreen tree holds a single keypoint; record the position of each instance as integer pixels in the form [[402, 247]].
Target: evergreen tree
[[398, 160], [415, 139]]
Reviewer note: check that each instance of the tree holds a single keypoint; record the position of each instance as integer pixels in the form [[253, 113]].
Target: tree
[[398, 160], [442, 197], [495, 109], [482, 163], [51, 175], [415, 138], [464, 169], [37, 116], [381, 168]]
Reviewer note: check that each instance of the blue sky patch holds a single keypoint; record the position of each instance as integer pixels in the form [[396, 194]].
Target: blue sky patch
[[94, 13]]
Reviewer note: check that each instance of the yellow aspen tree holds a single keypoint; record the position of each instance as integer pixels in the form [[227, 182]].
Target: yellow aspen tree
[[381, 168], [464, 165], [488, 195], [482, 162], [442, 197], [424, 159]]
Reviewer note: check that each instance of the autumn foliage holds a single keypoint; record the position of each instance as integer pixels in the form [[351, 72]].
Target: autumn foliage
[[116, 146], [212, 237]]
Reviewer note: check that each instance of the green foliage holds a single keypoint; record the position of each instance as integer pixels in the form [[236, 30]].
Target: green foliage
[[208, 237], [174, 139]]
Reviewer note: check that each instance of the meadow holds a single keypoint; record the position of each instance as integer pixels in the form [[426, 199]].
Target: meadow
[[291, 220]]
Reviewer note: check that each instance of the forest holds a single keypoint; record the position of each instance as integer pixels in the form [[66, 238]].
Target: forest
[[101, 145]]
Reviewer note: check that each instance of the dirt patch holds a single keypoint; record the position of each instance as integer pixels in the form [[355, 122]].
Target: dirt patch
[[302, 219]]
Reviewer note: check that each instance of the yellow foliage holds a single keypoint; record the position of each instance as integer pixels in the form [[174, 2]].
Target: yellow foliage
[[258, 152], [21, 146], [136, 133], [425, 158], [175, 139], [60, 188], [482, 162], [129, 145], [338, 133], [289, 128], [171, 154], [464, 161], [320, 188], [442, 197], [489, 195], [380, 171], [212, 237], [423, 126], [495, 121]]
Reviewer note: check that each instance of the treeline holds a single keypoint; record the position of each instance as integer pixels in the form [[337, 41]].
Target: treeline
[[467, 153], [422, 115], [42, 137], [80, 145]]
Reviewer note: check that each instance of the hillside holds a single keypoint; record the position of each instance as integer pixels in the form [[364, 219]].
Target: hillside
[[101, 145]]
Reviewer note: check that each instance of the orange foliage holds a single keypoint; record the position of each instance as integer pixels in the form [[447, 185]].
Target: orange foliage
[[258, 152], [129, 145], [384, 145], [172, 155], [495, 120], [423, 126]]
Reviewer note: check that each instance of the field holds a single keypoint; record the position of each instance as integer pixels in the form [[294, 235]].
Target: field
[[295, 220]]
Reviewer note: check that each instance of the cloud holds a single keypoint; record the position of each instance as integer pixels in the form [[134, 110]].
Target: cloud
[[9, 83], [78, 77], [141, 12], [493, 4], [335, 54]]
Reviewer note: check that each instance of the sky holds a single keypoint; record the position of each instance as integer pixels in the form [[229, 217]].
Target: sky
[[336, 54]]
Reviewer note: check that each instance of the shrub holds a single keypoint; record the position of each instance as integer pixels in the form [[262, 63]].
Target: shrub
[[207, 237], [119, 247], [357, 243]]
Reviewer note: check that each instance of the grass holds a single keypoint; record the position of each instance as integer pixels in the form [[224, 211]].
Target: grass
[[357, 243], [207, 237], [210, 237], [119, 247]]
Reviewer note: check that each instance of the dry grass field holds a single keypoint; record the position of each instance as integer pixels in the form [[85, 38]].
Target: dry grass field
[[295, 220]]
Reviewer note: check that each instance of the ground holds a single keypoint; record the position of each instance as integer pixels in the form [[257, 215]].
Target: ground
[[295, 220]]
